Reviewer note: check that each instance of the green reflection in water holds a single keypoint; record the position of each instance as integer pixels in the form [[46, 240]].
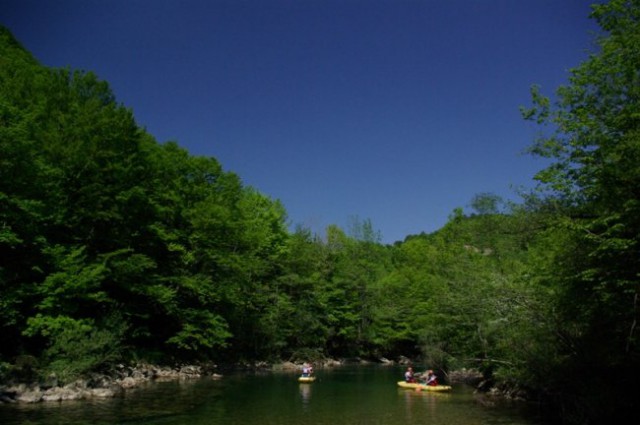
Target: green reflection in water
[[340, 396]]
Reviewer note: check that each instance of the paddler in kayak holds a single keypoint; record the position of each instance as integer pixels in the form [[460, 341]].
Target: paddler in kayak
[[307, 370], [432, 379], [408, 375]]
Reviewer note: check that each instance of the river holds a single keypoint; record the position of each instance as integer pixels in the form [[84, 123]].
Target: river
[[339, 396]]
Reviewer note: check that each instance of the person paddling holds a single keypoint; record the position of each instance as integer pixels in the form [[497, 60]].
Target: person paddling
[[307, 370], [408, 375], [432, 379]]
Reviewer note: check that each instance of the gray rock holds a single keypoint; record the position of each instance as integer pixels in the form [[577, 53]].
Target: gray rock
[[30, 396], [103, 392]]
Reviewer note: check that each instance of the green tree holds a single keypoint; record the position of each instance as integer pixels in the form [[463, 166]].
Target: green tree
[[298, 315], [594, 176], [486, 203], [100, 221], [22, 191]]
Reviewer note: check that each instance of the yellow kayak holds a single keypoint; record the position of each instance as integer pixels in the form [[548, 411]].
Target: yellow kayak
[[422, 387], [306, 378]]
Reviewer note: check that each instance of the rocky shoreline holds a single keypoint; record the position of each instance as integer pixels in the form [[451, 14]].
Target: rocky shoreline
[[101, 385], [124, 378]]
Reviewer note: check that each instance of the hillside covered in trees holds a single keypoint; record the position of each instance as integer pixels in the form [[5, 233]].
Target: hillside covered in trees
[[117, 248]]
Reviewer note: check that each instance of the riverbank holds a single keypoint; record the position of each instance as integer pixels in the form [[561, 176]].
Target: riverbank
[[349, 394], [123, 378], [97, 385]]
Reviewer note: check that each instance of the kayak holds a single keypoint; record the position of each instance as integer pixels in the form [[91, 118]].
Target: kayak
[[306, 378], [422, 387]]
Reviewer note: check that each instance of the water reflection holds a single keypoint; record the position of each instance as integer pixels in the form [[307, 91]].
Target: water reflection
[[420, 405], [305, 394], [345, 396]]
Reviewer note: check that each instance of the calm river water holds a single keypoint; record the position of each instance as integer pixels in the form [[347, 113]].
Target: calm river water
[[340, 396]]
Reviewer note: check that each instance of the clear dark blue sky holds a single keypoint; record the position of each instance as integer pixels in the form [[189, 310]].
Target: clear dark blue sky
[[397, 111]]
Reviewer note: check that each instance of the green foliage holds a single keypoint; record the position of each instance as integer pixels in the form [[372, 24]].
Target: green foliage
[[486, 203], [307, 355], [204, 330], [76, 347], [595, 175], [99, 220]]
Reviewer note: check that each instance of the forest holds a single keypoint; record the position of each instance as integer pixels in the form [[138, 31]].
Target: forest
[[116, 248]]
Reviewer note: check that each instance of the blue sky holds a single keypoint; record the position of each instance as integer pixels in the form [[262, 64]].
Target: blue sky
[[397, 111]]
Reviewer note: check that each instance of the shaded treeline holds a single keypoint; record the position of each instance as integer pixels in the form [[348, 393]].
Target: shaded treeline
[[114, 248]]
